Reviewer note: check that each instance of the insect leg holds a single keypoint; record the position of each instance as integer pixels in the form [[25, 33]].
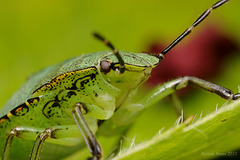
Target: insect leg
[[131, 111], [37, 147], [177, 105], [34, 133], [19, 132], [161, 91], [87, 134], [53, 134]]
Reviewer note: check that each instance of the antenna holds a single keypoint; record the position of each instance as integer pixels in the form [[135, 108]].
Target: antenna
[[115, 51], [189, 30]]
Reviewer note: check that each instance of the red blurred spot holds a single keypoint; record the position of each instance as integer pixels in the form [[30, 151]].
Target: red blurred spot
[[202, 57]]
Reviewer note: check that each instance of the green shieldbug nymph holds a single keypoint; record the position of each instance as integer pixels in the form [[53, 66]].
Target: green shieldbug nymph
[[65, 104]]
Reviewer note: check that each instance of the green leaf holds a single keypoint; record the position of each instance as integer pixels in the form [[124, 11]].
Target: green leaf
[[217, 134]]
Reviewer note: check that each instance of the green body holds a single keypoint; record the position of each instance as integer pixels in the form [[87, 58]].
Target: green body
[[47, 98]]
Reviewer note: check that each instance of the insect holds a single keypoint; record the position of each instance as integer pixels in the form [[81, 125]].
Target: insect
[[63, 105]]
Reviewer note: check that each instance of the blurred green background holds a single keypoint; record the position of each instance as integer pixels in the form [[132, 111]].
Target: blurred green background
[[36, 34]]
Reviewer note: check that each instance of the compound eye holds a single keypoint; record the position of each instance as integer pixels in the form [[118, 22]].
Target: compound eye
[[105, 66]]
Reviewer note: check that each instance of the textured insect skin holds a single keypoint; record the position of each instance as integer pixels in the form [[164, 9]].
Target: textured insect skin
[[47, 98]]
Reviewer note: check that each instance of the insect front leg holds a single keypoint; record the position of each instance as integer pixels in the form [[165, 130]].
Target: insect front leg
[[93, 146], [131, 111], [168, 88]]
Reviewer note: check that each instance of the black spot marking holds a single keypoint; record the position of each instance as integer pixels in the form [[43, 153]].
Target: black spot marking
[[223, 120], [71, 93], [4, 118], [96, 95], [52, 109], [57, 81], [80, 82], [21, 110], [33, 100], [64, 95]]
